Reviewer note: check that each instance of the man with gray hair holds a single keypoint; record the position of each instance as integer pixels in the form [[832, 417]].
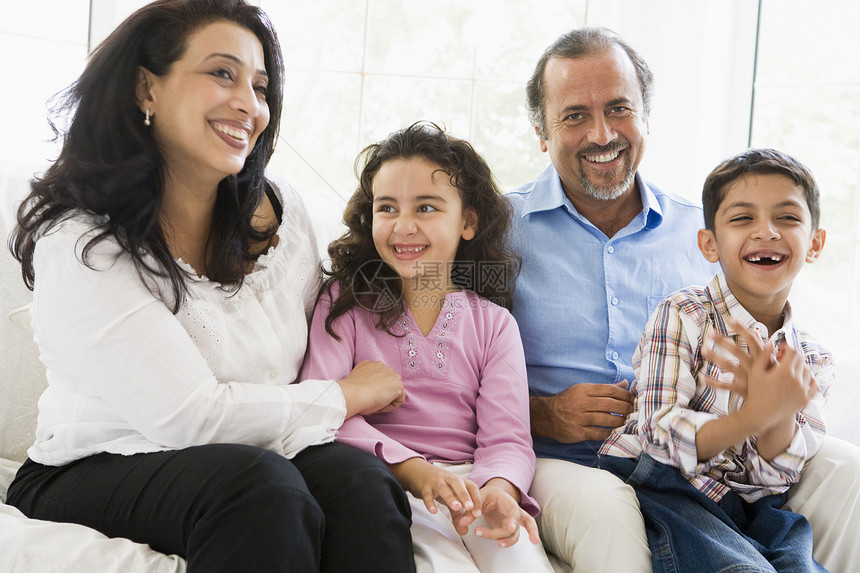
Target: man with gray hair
[[601, 248]]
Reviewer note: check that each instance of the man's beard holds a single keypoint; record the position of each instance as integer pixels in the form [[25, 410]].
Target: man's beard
[[608, 192]]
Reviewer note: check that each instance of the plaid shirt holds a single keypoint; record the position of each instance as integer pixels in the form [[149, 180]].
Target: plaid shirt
[[671, 404]]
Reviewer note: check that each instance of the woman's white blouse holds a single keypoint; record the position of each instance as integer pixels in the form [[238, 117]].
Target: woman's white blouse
[[126, 375]]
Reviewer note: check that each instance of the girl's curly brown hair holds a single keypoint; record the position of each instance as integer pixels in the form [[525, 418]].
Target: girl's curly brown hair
[[486, 264]]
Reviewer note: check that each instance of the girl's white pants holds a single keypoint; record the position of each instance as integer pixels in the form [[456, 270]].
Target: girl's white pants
[[440, 549]]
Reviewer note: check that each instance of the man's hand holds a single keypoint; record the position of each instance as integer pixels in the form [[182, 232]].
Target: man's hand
[[581, 412]]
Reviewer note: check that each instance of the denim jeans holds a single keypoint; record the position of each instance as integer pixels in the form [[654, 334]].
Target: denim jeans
[[689, 532]]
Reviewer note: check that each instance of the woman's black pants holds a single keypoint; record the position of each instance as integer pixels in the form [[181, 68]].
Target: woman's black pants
[[234, 508]]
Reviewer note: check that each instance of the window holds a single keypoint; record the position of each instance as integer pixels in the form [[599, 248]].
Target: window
[[807, 103], [45, 43], [358, 70], [729, 73]]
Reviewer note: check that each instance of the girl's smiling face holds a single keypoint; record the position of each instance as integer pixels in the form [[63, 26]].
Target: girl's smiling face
[[418, 222], [763, 236], [209, 110]]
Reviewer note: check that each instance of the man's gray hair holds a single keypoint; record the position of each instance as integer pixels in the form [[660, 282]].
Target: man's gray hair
[[579, 43]]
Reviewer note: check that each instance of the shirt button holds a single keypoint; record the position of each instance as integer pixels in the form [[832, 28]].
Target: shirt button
[[614, 300], [273, 374], [610, 249], [243, 295], [615, 356]]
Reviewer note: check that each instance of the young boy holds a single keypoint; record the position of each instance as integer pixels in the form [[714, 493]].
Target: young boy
[[729, 390]]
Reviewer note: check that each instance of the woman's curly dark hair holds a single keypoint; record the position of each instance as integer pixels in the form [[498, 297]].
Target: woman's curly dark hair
[[110, 164], [486, 264]]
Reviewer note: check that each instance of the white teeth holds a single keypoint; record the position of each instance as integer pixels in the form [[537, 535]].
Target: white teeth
[[757, 258], [605, 158], [409, 250], [232, 132]]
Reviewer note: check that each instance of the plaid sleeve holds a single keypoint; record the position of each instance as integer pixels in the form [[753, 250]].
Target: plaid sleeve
[[665, 367]]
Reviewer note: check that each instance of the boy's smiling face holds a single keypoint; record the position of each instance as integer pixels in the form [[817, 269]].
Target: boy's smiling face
[[762, 236]]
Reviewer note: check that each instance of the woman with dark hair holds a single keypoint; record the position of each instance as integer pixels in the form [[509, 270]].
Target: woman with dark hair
[[172, 285]]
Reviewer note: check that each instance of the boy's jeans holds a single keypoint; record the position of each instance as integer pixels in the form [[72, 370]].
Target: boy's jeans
[[687, 531]]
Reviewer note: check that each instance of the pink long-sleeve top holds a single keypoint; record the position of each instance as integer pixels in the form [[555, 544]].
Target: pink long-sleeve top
[[466, 389]]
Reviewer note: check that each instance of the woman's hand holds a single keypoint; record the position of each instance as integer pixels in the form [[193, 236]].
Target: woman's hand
[[371, 387], [430, 483], [504, 514]]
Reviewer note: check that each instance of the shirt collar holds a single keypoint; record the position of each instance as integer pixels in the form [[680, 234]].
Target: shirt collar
[[727, 305], [650, 205], [548, 194]]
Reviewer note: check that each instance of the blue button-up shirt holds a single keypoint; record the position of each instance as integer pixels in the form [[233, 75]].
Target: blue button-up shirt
[[583, 299]]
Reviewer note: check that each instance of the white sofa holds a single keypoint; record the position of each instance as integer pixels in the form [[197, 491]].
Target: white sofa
[[28, 545]]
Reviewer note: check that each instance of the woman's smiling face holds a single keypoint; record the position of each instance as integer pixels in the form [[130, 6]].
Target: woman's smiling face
[[209, 110]]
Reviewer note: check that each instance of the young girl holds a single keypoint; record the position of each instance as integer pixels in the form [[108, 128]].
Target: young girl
[[411, 285]]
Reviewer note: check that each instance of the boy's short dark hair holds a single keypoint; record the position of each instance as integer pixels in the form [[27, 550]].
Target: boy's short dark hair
[[762, 161]]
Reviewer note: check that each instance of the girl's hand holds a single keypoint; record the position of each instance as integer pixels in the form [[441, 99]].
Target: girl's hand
[[371, 387], [504, 515], [430, 483]]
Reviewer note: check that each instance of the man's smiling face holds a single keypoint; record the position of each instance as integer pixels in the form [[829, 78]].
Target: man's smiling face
[[595, 123]]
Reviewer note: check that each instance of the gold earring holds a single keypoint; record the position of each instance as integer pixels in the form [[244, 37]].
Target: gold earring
[[146, 120]]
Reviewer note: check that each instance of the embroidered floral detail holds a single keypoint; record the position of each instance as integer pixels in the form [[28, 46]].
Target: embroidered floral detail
[[447, 325], [413, 362], [439, 356], [202, 329]]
